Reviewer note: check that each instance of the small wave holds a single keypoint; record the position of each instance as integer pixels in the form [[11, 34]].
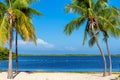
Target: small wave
[[32, 60]]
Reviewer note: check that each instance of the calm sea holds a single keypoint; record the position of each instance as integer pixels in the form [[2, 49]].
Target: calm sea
[[62, 63]]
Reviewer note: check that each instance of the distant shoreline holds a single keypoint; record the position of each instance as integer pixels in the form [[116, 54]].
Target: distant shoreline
[[65, 55], [59, 55]]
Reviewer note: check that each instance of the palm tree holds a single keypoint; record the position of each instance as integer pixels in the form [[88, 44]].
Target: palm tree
[[107, 30], [29, 12], [113, 17], [88, 11], [15, 18]]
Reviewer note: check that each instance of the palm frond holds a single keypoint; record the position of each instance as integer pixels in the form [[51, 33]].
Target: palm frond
[[92, 41], [86, 32], [90, 13], [4, 30], [75, 9], [3, 9], [24, 26], [111, 26], [30, 12], [74, 24], [22, 3]]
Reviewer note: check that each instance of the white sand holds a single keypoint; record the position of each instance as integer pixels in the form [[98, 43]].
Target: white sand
[[58, 76]]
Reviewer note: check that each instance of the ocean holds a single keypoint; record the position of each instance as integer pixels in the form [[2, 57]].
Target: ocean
[[62, 63]]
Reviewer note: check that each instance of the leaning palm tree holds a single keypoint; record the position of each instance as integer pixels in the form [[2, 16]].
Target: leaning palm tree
[[107, 30], [14, 17], [88, 11], [113, 17]]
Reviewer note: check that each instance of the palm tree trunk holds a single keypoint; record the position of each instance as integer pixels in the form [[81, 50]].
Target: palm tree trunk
[[10, 73], [110, 59], [104, 59], [16, 44]]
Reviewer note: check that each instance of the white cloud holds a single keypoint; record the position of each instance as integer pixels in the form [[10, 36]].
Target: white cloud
[[70, 48], [40, 43]]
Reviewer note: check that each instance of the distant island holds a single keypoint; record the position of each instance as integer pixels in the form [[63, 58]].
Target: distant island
[[64, 55]]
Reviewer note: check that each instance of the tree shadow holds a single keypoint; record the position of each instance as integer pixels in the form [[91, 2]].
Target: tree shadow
[[29, 72], [15, 74]]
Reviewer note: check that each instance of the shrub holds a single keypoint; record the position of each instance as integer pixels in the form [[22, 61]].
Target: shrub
[[4, 53]]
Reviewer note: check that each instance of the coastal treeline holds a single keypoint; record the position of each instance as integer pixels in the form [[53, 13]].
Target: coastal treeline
[[4, 54]]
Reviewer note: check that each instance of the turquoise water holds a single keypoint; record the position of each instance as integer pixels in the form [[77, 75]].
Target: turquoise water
[[62, 63]]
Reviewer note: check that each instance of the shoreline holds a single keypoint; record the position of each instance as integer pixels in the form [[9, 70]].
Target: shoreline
[[58, 76], [113, 72], [60, 72]]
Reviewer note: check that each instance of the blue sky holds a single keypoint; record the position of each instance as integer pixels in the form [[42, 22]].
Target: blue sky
[[50, 32]]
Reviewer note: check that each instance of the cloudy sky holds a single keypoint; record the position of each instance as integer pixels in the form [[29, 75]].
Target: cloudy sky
[[50, 32]]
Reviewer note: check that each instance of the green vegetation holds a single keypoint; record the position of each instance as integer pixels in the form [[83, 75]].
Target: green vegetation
[[4, 53], [117, 55], [59, 55]]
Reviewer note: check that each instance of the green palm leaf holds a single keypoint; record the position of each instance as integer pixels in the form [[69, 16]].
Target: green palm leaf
[[92, 41], [30, 12], [75, 9], [3, 30], [74, 24]]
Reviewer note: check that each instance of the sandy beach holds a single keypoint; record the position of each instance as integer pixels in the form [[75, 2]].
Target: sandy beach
[[58, 76]]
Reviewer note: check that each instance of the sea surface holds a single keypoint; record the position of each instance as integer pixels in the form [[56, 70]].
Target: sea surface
[[62, 63]]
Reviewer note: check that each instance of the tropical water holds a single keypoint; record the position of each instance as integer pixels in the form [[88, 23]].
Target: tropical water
[[62, 63]]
